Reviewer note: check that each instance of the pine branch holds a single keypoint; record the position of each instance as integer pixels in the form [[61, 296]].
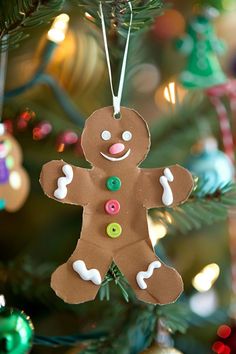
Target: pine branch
[[190, 121], [16, 17], [140, 323], [24, 277], [201, 209], [116, 13], [114, 274], [178, 317]]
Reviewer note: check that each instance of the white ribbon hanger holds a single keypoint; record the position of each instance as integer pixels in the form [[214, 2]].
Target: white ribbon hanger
[[116, 99]]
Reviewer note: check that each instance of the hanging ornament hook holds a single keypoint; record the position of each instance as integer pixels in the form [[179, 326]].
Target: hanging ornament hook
[[116, 98], [3, 70]]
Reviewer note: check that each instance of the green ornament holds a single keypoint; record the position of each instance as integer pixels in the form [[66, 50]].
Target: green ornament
[[201, 46], [16, 331]]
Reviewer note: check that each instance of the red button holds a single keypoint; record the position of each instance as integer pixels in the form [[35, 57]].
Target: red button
[[112, 207]]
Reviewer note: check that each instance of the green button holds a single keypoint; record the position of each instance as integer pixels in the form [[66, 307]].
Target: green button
[[114, 230], [113, 183]]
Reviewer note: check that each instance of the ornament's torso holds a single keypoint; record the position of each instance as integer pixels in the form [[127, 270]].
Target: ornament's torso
[[4, 172], [132, 216]]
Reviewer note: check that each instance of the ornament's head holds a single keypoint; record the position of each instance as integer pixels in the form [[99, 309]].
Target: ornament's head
[[9, 146], [108, 141], [200, 24], [5, 147]]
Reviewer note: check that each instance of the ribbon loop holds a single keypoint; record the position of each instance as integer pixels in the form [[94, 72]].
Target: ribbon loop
[[116, 99]]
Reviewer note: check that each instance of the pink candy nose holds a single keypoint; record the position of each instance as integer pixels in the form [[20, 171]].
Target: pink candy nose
[[116, 148]]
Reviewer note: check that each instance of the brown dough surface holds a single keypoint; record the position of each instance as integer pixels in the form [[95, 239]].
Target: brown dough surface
[[14, 198], [140, 190]]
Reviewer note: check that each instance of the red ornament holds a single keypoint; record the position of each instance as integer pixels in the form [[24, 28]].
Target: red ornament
[[224, 331], [8, 124], [221, 348], [24, 118], [42, 130], [65, 139], [169, 26], [226, 343], [70, 137]]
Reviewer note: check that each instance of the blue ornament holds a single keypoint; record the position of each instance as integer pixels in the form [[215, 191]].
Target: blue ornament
[[211, 165]]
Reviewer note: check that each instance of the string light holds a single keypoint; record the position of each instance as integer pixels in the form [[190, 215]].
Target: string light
[[221, 348], [59, 28], [204, 280], [169, 93], [224, 331]]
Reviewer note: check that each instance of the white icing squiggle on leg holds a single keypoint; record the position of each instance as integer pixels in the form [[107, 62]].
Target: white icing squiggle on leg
[[62, 182], [167, 196], [146, 275], [91, 274]]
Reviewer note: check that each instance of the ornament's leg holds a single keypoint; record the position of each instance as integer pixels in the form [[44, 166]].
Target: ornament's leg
[[152, 280], [78, 280]]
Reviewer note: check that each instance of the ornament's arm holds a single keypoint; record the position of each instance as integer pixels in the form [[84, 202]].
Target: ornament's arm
[[65, 183], [167, 186], [218, 45]]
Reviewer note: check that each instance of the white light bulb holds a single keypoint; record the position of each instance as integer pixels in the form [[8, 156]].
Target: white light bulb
[[169, 93], [205, 279], [59, 28]]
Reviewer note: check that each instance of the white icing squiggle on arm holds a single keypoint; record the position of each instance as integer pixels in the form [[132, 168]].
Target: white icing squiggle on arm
[[91, 274], [62, 182], [146, 275], [167, 196]]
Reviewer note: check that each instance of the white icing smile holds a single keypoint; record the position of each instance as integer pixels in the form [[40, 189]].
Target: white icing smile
[[116, 158]]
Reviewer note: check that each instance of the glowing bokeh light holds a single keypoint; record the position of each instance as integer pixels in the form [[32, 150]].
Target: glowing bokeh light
[[59, 28], [205, 279]]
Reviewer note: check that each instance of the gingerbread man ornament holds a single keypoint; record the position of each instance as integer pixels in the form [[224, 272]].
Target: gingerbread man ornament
[[116, 194], [14, 181]]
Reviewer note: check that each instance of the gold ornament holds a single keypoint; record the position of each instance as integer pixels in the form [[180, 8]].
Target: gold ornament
[[156, 349], [78, 63]]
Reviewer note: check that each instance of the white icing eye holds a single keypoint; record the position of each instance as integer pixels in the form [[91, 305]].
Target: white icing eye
[[127, 136], [106, 135]]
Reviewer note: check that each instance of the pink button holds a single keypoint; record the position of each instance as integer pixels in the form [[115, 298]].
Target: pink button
[[112, 207], [116, 148]]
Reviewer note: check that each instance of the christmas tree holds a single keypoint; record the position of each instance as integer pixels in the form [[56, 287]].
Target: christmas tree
[[180, 77]]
